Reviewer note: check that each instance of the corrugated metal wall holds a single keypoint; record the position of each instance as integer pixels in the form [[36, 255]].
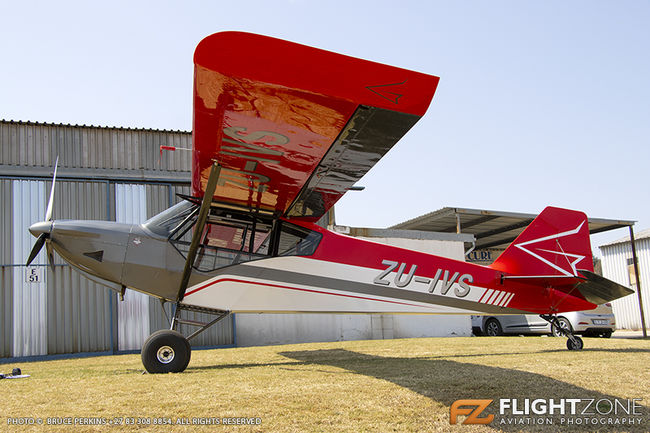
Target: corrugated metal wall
[[6, 297], [133, 312], [615, 258], [6, 273], [37, 145], [78, 313], [68, 313], [30, 294]]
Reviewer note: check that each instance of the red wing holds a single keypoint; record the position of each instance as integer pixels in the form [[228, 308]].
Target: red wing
[[294, 127]]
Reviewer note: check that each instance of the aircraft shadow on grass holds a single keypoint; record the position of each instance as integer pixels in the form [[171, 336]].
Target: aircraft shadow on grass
[[446, 381]]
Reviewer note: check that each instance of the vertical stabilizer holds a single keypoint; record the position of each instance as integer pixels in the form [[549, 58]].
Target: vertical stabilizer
[[555, 244]]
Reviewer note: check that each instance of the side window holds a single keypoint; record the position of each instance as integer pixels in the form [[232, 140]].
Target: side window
[[225, 241], [229, 239], [297, 241]]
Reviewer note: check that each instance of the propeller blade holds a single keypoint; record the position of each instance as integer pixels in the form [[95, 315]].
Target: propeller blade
[[37, 247], [50, 204], [50, 255]]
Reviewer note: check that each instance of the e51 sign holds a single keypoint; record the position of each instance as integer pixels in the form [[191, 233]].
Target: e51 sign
[[34, 274]]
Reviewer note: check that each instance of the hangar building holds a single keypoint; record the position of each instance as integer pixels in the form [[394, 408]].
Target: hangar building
[[618, 265]]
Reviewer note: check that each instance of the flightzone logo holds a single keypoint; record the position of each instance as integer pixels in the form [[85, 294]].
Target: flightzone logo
[[540, 411], [464, 407]]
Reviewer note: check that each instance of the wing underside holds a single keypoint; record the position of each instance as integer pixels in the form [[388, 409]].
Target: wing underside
[[294, 127]]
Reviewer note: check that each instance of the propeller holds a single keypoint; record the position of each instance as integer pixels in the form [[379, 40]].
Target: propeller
[[44, 228]]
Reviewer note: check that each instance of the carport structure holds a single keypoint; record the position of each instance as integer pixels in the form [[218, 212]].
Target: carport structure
[[490, 228]]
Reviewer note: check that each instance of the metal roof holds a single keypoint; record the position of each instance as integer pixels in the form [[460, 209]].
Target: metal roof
[[644, 234], [69, 125], [491, 228], [29, 150]]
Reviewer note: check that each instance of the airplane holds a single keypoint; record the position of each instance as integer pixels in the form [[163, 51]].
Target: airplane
[[281, 131]]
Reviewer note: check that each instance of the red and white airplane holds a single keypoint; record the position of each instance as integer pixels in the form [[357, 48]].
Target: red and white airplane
[[281, 132]]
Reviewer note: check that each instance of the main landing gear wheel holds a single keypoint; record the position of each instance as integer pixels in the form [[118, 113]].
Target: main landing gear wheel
[[575, 344], [166, 352]]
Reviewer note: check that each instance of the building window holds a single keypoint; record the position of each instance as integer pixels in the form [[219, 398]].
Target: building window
[[630, 272]]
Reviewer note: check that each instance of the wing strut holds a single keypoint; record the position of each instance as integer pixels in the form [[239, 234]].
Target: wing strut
[[198, 229]]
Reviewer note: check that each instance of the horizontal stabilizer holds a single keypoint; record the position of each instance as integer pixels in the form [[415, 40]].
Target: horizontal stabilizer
[[599, 290]]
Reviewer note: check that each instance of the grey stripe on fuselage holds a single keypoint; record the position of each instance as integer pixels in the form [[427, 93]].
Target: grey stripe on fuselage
[[282, 276]]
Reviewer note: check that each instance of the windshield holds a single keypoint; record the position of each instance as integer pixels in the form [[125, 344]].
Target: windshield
[[165, 222]]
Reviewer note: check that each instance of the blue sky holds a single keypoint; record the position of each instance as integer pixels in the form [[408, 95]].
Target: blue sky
[[539, 103]]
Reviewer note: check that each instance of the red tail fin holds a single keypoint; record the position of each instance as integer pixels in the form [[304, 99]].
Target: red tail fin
[[556, 243]]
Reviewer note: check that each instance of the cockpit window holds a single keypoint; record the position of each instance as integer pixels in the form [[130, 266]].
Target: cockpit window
[[167, 221], [231, 237]]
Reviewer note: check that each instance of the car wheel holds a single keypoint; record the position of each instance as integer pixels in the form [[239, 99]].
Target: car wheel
[[606, 334], [564, 324], [493, 328]]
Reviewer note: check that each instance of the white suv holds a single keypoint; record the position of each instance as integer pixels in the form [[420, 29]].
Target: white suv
[[599, 322]]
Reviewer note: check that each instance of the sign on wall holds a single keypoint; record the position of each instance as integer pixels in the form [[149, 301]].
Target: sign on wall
[[485, 256]]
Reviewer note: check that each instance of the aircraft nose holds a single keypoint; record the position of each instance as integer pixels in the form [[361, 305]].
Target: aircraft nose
[[41, 227]]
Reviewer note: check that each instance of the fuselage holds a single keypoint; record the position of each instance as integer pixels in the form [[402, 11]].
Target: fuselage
[[310, 269]]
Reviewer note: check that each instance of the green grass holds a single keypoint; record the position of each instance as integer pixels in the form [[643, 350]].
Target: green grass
[[356, 386]]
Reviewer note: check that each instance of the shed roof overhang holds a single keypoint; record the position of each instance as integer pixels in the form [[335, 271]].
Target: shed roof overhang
[[492, 229]]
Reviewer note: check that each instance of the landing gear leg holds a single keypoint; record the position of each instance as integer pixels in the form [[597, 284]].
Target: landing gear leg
[[573, 341]]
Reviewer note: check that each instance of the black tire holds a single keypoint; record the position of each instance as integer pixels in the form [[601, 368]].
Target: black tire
[[166, 352], [564, 324], [606, 334], [493, 328], [578, 345]]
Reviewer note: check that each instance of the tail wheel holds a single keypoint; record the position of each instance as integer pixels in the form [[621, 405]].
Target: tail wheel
[[493, 328], [166, 352], [574, 345], [564, 324]]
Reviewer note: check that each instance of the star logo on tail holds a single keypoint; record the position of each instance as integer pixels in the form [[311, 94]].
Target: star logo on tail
[[572, 259]]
